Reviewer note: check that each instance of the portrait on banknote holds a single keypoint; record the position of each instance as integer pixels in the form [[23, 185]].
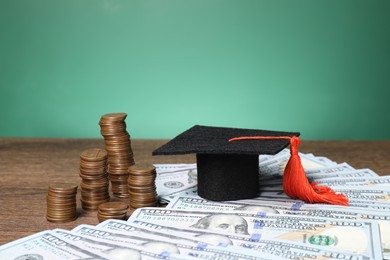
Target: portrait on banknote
[[223, 222]]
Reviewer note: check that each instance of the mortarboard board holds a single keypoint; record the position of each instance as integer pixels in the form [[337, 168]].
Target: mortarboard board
[[226, 170], [228, 163]]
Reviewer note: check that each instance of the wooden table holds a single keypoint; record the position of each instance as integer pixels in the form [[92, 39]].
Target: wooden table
[[27, 166]]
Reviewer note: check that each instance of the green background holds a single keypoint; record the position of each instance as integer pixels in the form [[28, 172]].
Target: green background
[[318, 67]]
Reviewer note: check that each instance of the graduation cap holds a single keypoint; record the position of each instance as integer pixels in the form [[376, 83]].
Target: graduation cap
[[228, 162]]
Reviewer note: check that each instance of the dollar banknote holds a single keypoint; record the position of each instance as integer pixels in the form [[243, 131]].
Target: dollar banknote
[[357, 237], [170, 182], [368, 198], [170, 168], [46, 245], [382, 182], [116, 250], [279, 248], [192, 191], [342, 167], [195, 237], [164, 244], [322, 177], [308, 159], [338, 168], [369, 194], [357, 198], [262, 207], [276, 164]]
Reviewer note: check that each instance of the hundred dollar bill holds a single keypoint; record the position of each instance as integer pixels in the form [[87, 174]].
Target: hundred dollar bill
[[342, 167], [116, 251], [366, 193], [45, 245], [364, 198], [280, 248], [356, 198], [357, 237], [162, 168], [338, 168], [382, 182], [265, 157], [312, 160], [322, 177], [277, 164], [262, 207], [167, 244], [172, 182], [324, 160], [220, 240], [193, 191], [360, 173]]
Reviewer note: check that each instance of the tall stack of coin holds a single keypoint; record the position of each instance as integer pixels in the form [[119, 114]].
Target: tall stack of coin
[[94, 184], [112, 210], [142, 186], [120, 154], [61, 202]]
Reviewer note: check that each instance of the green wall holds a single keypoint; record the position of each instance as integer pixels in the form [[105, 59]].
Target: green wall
[[318, 67]]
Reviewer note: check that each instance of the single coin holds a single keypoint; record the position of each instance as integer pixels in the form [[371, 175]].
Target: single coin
[[93, 155], [140, 168], [91, 177], [113, 206], [63, 187], [117, 116], [55, 220], [121, 195], [111, 214]]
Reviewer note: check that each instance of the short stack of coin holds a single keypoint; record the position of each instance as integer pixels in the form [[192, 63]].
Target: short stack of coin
[[94, 184], [120, 154], [112, 210], [61, 202], [142, 186]]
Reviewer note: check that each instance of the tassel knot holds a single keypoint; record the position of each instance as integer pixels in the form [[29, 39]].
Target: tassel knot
[[294, 143]]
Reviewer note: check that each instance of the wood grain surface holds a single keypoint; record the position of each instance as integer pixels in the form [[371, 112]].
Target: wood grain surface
[[27, 166]]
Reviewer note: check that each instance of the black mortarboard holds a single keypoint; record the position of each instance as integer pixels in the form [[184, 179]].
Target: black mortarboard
[[226, 170]]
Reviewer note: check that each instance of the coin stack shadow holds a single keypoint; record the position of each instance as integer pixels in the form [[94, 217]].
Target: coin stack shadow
[[142, 186], [120, 154], [94, 184], [112, 210], [61, 202]]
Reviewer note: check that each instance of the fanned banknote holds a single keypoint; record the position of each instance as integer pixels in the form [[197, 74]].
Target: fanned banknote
[[100, 241], [172, 180], [358, 237], [46, 245], [263, 207], [158, 243], [281, 249]]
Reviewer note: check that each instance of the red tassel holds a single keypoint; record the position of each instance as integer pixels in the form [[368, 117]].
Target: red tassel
[[295, 183]]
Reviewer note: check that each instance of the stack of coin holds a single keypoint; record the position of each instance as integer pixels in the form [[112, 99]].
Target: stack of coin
[[112, 210], [61, 202], [94, 184], [142, 186], [120, 154]]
